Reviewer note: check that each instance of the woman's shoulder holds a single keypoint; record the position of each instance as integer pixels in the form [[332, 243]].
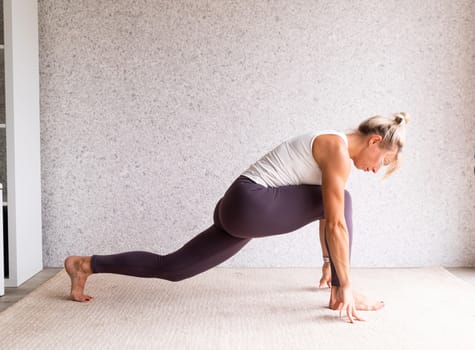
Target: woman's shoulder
[[330, 133], [328, 145]]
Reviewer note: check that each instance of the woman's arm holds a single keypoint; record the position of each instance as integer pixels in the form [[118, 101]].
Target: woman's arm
[[334, 175], [334, 162], [322, 237]]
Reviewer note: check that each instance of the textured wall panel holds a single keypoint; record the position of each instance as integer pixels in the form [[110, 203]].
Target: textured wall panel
[[150, 109]]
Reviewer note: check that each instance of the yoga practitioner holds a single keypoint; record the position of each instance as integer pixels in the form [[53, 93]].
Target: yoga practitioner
[[300, 181]]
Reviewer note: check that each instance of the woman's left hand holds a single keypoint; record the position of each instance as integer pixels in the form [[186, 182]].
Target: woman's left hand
[[326, 280]]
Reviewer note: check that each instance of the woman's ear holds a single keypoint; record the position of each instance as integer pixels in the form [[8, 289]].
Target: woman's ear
[[375, 139]]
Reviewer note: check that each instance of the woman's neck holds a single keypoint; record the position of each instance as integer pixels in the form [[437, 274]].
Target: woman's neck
[[355, 144]]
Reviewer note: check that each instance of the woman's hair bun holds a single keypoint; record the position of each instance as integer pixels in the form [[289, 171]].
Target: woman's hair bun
[[401, 118]]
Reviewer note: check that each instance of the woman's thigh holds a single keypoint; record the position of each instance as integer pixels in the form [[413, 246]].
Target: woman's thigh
[[250, 210]]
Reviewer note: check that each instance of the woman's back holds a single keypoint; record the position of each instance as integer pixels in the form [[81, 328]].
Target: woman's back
[[290, 163]]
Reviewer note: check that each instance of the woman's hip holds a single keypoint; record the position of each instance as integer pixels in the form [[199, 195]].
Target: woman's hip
[[248, 209]]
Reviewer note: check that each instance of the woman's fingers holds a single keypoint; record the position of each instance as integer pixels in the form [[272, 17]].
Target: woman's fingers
[[353, 315], [346, 304], [345, 307], [326, 278], [350, 312], [357, 317]]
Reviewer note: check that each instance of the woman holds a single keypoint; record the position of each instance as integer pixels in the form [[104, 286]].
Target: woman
[[300, 181]]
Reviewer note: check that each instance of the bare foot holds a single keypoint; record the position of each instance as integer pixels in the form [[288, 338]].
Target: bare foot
[[78, 269], [364, 303], [361, 302]]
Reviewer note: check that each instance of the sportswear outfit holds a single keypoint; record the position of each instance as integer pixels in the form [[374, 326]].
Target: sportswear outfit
[[278, 194]]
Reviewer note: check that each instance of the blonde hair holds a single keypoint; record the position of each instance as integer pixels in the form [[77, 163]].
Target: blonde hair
[[393, 133]]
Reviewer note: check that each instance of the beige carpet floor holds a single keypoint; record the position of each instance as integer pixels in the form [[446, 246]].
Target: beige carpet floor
[[244, 309]]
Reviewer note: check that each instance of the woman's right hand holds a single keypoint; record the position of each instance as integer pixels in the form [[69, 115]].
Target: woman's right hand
[[346, 303]]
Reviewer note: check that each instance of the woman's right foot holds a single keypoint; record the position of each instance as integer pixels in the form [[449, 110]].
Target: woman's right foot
[[78, 269]]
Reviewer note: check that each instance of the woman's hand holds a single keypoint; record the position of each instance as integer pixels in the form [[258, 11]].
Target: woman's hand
[[346, 303], [326, 280]]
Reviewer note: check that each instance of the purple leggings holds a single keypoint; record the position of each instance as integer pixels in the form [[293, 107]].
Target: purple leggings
[[247, 210]]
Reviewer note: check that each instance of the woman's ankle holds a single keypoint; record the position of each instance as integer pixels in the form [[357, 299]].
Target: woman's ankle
[[86, 265]]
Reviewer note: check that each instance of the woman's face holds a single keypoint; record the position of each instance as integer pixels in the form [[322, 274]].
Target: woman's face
[[373, 157]]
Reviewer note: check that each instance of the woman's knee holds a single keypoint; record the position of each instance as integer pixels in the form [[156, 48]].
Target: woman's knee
[[216, 219], [228, 216]]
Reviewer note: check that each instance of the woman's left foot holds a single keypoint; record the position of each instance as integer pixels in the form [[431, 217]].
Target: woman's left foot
[[361, 302], [367, 304]]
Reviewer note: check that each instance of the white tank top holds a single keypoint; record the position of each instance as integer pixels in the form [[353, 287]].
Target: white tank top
[[290, 163]]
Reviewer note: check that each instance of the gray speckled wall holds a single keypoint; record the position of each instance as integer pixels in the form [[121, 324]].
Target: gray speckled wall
[[150, 109]]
